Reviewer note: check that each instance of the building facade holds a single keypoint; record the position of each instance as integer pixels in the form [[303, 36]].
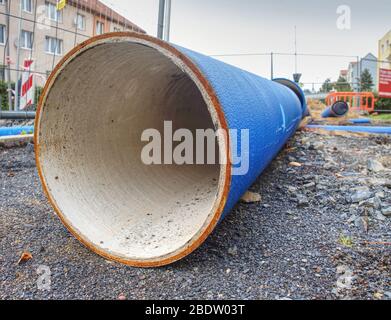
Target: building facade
[[370, 62], [46, 34], [353, 74], [385, 51], [343, 74], [356, 68]]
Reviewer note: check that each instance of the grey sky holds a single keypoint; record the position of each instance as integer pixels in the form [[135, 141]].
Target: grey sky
[[242, 26]]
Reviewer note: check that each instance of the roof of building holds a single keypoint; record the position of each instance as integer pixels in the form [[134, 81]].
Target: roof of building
[[386, 35], [98, 8], [370, 56]]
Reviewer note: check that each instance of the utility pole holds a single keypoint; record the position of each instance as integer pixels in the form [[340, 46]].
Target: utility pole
[[358, 75], [18, 59], [7, 11], [296, 49], [271, 66], [296, 76], [167, 21], [160, 25], [164, 20]]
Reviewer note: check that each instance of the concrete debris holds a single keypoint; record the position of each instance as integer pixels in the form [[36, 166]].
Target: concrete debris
[[251, 197]]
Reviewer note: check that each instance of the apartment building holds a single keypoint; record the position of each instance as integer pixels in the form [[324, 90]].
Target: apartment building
[[343, 74], [353, 74], [356, 68], [385, 51], [47, 33]]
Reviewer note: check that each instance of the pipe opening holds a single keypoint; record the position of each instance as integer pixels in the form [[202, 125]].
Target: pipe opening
[[340, 108], [90, 126]]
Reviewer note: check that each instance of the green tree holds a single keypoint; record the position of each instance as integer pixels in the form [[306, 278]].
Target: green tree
[[327, 86], [366, 81], [342, 85], [4, 94]]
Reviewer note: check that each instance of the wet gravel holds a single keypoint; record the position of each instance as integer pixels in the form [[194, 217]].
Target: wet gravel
[[307, 239]]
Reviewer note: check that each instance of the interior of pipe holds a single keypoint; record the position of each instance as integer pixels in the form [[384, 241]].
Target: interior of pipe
[[340, 108], [90, 144]]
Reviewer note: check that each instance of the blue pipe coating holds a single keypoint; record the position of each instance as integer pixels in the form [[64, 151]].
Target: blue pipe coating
[[360, 121], [328, 113], [270, 110], [379, 130], [15, 131], [296, 89]]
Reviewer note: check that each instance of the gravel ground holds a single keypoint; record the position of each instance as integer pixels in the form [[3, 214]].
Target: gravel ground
[[13, 123], [318, 233]]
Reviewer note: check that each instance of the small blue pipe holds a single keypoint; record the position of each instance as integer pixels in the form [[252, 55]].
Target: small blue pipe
[[328, 113], [15, 131], [360, 121], [379, 130]]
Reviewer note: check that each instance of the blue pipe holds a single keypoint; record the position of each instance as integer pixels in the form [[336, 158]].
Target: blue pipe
[[379, 130], [360, 121], [270, 112], [15, 131]]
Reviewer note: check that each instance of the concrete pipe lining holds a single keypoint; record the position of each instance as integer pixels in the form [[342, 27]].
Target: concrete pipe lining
[[90, 119]]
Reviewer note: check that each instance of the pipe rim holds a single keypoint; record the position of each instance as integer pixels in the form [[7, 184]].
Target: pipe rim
[[224, 177], [340, 112], [296, 89]]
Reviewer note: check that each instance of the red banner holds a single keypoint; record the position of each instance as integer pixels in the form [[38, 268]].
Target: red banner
[[385, 83]]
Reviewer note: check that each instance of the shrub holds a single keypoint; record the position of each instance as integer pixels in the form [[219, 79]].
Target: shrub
[[383, 104], [4, 94]]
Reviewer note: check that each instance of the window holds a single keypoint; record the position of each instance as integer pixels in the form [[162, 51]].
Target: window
[[116, 29], [52, 13], [2, 34], [81, 22], [100, 27], [26, 40], [27, 6], [2, 1], [53, 46]]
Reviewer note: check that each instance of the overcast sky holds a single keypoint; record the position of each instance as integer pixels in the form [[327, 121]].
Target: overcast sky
[[247, 26]]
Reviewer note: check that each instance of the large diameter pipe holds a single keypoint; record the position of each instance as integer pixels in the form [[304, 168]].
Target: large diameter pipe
[[294, 86], [93, 111], [17, 115]]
